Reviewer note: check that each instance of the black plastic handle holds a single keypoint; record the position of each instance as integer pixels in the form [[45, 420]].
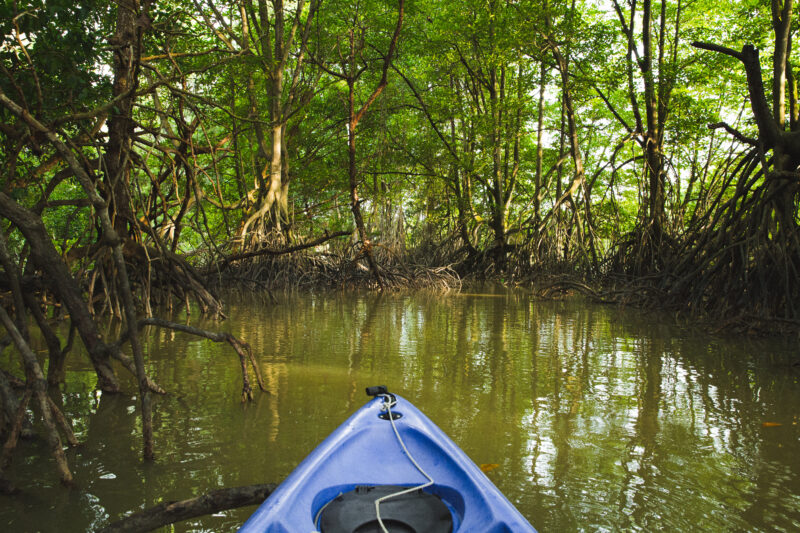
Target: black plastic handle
[[376, 390]]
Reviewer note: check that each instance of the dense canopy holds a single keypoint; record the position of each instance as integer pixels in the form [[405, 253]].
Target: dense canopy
[[504, 135]]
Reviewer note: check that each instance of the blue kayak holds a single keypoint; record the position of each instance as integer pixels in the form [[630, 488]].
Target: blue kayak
[[387, 468]]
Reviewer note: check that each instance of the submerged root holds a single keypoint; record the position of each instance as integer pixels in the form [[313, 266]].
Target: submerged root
[[170, 512], [241, 348], [36, 391]]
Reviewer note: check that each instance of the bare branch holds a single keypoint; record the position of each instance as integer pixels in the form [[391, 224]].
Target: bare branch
[[270, 251], [242, 349], [717, 48], [733, 131]]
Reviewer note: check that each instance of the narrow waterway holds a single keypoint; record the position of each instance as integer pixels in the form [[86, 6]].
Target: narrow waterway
[[588, 418]]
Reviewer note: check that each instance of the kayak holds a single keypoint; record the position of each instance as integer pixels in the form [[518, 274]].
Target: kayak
[[387, 468]]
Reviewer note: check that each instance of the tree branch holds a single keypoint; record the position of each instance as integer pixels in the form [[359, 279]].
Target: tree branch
[[270, 251], [387, 61], [717, 48], [733, 131], [768, 130]]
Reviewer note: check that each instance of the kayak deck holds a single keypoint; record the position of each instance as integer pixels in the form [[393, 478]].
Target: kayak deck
[[364, 451]]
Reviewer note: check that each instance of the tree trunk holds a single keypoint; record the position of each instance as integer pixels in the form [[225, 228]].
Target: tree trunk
[[351, 73], [538, 185], [126, 51], [61, 282], [355, 202]]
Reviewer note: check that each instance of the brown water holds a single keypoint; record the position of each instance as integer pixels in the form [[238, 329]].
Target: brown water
[[598, 418]]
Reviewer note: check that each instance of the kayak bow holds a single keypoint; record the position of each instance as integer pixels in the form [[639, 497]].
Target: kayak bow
[[387, 468]]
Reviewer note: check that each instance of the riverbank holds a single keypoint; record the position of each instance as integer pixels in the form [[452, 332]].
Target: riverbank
[[338, 269]]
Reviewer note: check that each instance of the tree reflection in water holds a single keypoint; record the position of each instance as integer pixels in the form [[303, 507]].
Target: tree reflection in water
[[598, 418]]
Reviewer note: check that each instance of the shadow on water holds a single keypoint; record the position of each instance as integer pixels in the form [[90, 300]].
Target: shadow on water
[[592, 418]]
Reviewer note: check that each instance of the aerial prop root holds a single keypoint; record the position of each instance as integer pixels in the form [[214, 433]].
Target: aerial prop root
[[159, 275], [51, 415]]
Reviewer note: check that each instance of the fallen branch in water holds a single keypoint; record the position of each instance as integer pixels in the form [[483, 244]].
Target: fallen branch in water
[[171, 512]]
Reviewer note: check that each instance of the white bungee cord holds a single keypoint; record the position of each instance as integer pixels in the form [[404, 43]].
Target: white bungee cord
[[388, 401]]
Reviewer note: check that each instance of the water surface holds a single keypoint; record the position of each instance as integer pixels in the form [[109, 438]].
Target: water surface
[[598, 418]]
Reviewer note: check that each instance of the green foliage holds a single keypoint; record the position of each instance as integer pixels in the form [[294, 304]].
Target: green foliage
[[62, 46], [455, 129]]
